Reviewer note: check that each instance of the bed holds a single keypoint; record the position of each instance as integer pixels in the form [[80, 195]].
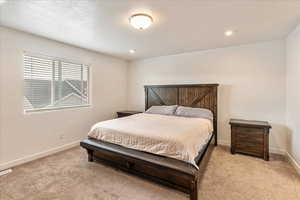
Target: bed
[[118, 143]]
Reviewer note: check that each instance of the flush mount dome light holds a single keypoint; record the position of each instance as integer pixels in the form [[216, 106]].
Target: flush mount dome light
[[229, 33], [141, 21]]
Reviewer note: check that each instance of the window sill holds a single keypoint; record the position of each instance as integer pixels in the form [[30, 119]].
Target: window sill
[[55, 109]]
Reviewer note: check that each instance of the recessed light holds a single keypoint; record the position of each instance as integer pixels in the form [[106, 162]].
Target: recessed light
[[229, 33], [141, 21], [132, 51]]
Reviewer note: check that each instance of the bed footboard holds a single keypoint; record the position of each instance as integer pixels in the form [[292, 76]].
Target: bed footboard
[[167, 171]]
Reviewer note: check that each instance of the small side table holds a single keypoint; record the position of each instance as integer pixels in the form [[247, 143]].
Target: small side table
[[250, 137], [127, 113]]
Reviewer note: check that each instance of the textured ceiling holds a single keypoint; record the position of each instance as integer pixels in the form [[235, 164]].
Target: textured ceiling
[[179, 25]]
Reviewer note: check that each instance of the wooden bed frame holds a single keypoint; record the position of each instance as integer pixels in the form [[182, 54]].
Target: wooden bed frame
[[174, 173]]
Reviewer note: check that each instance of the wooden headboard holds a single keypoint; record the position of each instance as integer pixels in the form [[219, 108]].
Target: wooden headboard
[[195, 95]]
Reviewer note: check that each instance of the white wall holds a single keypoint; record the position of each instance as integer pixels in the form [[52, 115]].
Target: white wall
[[293, 94], [1, 83], [252, 82], [252, 77], [27, 134]]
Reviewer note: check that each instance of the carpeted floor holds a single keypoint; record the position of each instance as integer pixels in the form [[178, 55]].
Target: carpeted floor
[[68, 176]]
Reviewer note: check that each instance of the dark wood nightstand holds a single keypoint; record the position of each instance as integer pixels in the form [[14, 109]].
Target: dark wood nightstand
[[250, 137], [127, 113]]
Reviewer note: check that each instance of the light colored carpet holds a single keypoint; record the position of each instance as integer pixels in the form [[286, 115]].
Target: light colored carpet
[[68, 176]]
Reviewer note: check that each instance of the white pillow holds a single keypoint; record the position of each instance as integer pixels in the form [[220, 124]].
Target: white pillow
[[194, 112], [162, 110]]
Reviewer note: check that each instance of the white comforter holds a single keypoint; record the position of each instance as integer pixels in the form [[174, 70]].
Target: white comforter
[[176, 137]]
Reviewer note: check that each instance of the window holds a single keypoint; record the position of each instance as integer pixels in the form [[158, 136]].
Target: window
[[54, 84]]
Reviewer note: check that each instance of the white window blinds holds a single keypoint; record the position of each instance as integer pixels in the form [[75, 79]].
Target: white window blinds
[[54, 84]]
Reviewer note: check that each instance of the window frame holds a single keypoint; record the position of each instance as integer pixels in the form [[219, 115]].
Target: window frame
[[60, 60]]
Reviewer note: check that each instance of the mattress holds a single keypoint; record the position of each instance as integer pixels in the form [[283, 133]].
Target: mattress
[[172, 136]]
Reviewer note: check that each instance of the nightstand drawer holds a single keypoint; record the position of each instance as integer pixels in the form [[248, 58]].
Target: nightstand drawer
[[253, 135], [249, 131], [250, 148]]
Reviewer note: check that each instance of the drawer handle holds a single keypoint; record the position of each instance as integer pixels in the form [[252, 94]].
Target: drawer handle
[[129, 164]]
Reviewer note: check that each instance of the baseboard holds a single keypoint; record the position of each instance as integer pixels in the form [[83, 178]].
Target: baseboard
[[35, 156], [223, 142], [274, 150], [294, 162], [277, 151]]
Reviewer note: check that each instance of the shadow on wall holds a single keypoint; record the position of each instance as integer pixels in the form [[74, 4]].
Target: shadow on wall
[[279, 139], [224, 113], [289, 139]]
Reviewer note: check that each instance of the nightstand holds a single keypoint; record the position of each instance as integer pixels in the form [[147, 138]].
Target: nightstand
[[250, 137], [127, 113]]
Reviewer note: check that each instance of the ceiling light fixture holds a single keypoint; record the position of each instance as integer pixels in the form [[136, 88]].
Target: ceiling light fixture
[[132, 51], [141, 21], [229, 33]]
